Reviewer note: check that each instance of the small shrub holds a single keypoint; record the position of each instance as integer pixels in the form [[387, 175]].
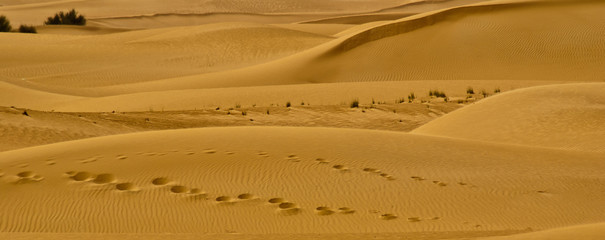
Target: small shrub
[[355, 103], [373, 102], [470, 90], [401, 100], [437, 93], [268, 112], [497, 90], [288, 104], [238, 105], [244, 113], [484, 93], [5, 24], [411, 97], [70, 18], [27, 29]]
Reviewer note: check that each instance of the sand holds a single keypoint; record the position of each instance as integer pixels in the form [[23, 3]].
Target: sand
[[294, 120]]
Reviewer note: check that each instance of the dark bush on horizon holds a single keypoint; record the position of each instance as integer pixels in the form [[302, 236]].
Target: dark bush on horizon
[[70, 18], [5, 24], [27, 29]]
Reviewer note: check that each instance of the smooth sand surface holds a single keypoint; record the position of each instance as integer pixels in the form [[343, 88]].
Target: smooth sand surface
[[568, 116]]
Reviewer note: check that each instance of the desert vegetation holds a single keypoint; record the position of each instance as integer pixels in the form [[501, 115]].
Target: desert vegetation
[[5, 24], [27, 29], [71, 17]]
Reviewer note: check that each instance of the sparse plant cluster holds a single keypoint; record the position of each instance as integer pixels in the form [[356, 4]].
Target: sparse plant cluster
[[70, 18], [411, 97], [355, 103], [437, 93], [470, 91]]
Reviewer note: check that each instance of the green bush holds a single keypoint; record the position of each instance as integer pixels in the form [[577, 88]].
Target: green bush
[[70, 18], [5, 24], [27, 29]]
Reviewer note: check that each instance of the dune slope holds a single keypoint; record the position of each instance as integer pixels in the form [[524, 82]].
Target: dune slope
[[135, 56], [504, 40], [566, 116], [294, 180]]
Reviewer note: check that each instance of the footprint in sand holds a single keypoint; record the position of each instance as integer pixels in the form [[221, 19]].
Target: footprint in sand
[[345, 210], [371, 170], [225, 200], [126, 187], [387, 176], [440, 183], [322, 161], [414, 219], [178, 189], [323, 211], [288, 208], [27, 177], [276, 200], [197, 194], [418, 178], [209, 151], [293, 158], [80, 176], [189, 153], [121, 157], [50, 162], [263, 154], [161, 181], [89, 160], [388, 216], [104, 178], [229, 153], [341, 168], [246, 196]]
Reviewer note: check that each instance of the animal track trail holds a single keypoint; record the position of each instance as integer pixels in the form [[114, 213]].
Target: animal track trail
[[379, 172]]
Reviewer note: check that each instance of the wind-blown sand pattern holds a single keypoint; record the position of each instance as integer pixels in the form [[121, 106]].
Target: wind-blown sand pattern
[[304, 120]]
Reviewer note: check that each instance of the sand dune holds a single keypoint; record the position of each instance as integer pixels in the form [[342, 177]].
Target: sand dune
[[566, 116], [36, 11], [89, 61], [18, 130], [294, 180], [287, 119], [507, 43]]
